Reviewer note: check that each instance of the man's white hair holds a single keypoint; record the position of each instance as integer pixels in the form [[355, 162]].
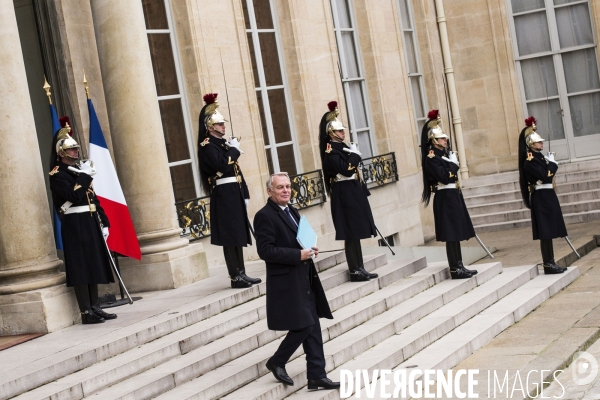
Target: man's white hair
[[270, 180]]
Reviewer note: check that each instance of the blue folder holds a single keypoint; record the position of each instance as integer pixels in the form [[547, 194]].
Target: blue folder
[[306, 236]]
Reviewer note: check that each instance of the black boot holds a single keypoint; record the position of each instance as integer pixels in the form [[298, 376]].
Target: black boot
[[357, 275], [459, 273], [362, 269], [239, 283], [551, 268], [471, 271], [89, 317], [239, 252], [101, 313]]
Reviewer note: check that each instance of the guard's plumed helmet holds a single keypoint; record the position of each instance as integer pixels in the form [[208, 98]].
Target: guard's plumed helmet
[[211, 114], [64, 140], [333, 124], [435, 129], [530, 135]]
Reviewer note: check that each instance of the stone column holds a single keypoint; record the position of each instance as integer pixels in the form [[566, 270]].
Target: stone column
[[33, 297], [168, 261]]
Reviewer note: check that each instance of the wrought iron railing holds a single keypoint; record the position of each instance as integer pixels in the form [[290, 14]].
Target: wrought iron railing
[[379, 170], [308, 189], [194, 217]]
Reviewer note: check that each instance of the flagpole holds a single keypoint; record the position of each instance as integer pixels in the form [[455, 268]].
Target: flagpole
[[47, 89]]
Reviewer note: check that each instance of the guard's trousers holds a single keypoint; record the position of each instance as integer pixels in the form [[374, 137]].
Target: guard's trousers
[[86, 295], [547, 250], [453, 253], [354, 256], [234, 258]]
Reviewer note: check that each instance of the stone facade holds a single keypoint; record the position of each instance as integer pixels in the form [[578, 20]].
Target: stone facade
[[108, 39]]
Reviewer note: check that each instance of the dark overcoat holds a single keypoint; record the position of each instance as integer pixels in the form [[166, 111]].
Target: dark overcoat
[[452, 220], [293, 286], [350, 209], [86, 257], [546, 216], [228, 215]]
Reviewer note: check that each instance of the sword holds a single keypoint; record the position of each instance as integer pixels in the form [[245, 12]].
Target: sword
[[483, 245], [572, 248], [112, 262], [384, 240]]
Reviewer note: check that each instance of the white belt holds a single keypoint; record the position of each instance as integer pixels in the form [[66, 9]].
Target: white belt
[[544, 186], [340, 177], [81, 209], [223, 181], [441, 186]]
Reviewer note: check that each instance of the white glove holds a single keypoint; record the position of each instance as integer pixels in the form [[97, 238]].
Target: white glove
[[234, 142], [84, 168], [453, 157], [246, 201], [450, 160], [105, 232], [550, 157], [353, 149]]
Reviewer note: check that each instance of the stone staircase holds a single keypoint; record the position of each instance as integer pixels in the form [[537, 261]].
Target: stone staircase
[[216, 344], [495, 203]]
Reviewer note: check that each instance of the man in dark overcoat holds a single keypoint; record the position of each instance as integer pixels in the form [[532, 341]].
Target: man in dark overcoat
[[84, 224], [350, 209], [222, 176], [295, 297], [440, 176], [536, 176]]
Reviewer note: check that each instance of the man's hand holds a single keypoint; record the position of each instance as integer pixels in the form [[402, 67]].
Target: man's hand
[[246, 202], [550, 158], [309, 253], [84, 168], [105, 232], [353, 149]]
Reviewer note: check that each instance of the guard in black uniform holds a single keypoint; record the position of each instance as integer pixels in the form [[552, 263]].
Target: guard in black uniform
[[536, 175], [221, 175], [440, 176], [350, 209], [83, 225]]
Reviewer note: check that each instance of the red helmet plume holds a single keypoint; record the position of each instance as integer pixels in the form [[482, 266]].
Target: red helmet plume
[[433, 114], [332, 105], [210, 98]]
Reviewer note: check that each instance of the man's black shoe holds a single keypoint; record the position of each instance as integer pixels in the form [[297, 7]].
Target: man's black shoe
[[471, 271], [459, 273], [551, 268], [88, 317], [280, 374], [359, 276], [365, 272], [253, 281], [239, 283], [101, 313], [325, 383]]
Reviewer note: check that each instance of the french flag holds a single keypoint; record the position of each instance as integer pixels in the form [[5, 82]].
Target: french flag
[[122, 238]]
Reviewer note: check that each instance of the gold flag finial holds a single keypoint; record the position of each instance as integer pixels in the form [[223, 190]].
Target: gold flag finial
[[85, 83], [47, 89]]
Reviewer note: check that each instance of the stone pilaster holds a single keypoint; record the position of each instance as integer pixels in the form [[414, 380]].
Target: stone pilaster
[[33, 297], [168, 261]]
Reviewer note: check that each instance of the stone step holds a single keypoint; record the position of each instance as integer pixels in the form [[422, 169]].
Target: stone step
[[576, 218], [380, 328], [515, 194], [181, 367], [561, 179], [36, 369], [564, 167], [453, 348], [466, 334], [524, 213], [511, 205]]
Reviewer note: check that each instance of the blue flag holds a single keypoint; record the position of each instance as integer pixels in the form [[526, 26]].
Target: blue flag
[[57, 223]]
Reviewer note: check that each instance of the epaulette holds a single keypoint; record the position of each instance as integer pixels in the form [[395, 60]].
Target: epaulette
[[328, 149], [529, 156], [54, 171], [205, 142], [431, 154]]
